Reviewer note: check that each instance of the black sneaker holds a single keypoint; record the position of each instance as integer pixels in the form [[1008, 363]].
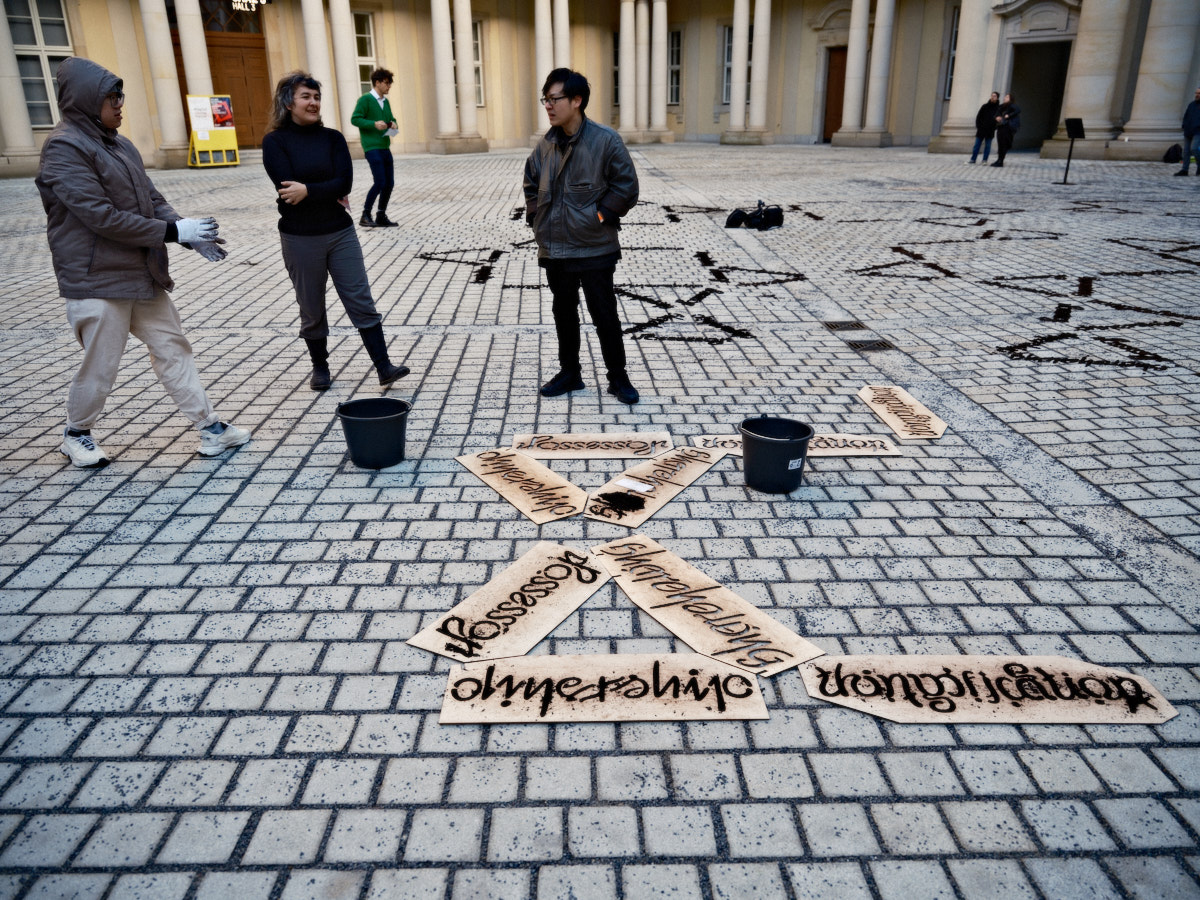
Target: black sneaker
[[623, 391], [997, 165], [382, 221], [366, 221], [562, 383], [1185, 171]]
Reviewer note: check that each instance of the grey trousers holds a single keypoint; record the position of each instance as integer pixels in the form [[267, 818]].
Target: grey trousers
[[102, 328], [311, 260]]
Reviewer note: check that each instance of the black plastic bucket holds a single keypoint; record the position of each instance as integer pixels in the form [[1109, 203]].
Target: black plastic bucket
[[773, 453], [374, 428]]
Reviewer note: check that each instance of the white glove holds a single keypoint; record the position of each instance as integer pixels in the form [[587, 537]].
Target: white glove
[[192, 230], [210, 250]]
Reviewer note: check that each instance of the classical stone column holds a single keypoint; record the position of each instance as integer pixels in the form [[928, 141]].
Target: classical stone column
[[543, 55], [874, 128], [1091, 92], [345, 66], [856, 73], [627, 67], [20, 151], [760, 65], [562, 35], [739, 61], [1163, 87], [443, 70], [464, 65], [968, 91], [642, 45], [658, 67], [316, 46], [173, 131], [192, 47]]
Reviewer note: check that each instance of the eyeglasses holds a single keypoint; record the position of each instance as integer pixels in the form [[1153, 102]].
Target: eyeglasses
[[116, 98], [550, 101]]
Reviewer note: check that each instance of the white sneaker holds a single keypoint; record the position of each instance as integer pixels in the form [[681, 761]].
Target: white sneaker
[[83, 451], [212, 444]]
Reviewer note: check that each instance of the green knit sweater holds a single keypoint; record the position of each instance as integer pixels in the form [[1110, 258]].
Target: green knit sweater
[[367, 112]]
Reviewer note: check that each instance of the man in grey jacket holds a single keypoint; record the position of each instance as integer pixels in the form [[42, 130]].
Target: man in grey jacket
[[108, 228], [579, 181]]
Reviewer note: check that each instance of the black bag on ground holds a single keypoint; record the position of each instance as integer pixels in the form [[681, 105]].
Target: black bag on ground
[[762, 217], [1174, 154], [735, 218]]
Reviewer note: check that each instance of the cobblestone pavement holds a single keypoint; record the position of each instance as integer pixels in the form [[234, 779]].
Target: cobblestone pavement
[[204, 686]]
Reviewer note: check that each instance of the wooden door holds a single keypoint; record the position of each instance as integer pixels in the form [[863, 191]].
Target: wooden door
[[239, 69], [835, 91]]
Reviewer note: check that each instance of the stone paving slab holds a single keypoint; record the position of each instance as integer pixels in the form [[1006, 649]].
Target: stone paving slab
[[205, 689]]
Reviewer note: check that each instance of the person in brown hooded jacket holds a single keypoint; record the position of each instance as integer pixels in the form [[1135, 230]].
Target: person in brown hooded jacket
[[108, 228]]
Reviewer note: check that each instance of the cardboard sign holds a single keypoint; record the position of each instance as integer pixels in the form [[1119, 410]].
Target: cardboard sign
[[901, 412], [820, 445], [708, 617], [670, 687], [1011, 689], [628, 445], [510, 614], [540, 494], [638, 493]]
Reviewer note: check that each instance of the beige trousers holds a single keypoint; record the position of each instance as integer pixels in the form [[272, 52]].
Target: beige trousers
[[103, 326]]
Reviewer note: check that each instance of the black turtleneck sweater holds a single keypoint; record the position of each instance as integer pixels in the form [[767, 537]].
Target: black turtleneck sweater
[[318, 158]]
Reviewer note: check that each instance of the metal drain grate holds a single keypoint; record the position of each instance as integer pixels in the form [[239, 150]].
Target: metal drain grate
[[868, 346], [850, 325]]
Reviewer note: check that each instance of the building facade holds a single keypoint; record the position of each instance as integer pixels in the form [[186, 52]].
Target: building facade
[[468, 72]]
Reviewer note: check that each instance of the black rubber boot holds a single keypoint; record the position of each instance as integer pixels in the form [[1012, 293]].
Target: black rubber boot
[[318, 351], [376, 345]]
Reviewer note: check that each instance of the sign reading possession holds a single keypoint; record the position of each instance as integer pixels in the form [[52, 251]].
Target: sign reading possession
[[670, 687], [819, 445], [510, 614], [641, 491], [539, 493], [629, 445], [1012, 689], [709, 617], [901, 412]]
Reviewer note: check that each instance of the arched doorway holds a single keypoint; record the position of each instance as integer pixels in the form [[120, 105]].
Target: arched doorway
[[1035, 58]]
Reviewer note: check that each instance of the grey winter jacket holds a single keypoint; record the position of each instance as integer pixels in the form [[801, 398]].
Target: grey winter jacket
[[105, 222], [568, 180]]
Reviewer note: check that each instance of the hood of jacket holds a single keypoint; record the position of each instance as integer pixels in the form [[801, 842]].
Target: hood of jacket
[[82, 87]]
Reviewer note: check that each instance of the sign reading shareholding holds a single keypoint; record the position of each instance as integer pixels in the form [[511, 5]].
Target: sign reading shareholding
[[708, 617], [510, 614], [961, 689], [670, 687], [539, 493]]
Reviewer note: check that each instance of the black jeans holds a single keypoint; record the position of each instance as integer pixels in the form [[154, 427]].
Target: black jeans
[[382, 172], [1004, 142], [597, 287]]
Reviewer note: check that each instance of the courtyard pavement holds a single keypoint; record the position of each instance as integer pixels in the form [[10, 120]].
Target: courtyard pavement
[[205, 689]]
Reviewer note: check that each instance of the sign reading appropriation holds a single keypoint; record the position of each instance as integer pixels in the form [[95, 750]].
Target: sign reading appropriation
[[670, 687], [820, 445], [540, 494], [709, 617], [641, 491], [627, 445], [901, 412], [517, 608], [1011, 689]]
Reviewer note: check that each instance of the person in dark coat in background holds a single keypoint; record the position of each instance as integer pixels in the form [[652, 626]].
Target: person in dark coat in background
[[985, 127], [1191, 135], [312, 172], [1008, 121], [108, 228]]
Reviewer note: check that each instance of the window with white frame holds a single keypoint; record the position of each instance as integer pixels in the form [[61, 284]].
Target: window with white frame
[[364, 48], [476, 57], [41, 41], [727, 72], [953, 51], [674, 66]]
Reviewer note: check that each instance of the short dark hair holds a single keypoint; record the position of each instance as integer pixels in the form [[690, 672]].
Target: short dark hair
[[573, 85], [380, 75]]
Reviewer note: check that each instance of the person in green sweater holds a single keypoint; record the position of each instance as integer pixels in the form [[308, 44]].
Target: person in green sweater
[[373, 116]]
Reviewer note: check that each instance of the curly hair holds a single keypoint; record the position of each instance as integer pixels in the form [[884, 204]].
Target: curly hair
[[285, 96]]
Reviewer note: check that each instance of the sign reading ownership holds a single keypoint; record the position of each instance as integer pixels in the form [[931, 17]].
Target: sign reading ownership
[[709, 617], [535, 490], [510, 614], [600, 688], [819, 445], [901, 412], [629, 445], [641, 491], [958, 689]]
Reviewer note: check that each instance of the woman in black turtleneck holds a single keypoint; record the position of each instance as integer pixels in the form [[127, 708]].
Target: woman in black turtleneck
[[311, 168]]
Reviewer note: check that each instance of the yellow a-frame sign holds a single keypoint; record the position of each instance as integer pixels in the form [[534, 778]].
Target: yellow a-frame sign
[[213, 139]]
